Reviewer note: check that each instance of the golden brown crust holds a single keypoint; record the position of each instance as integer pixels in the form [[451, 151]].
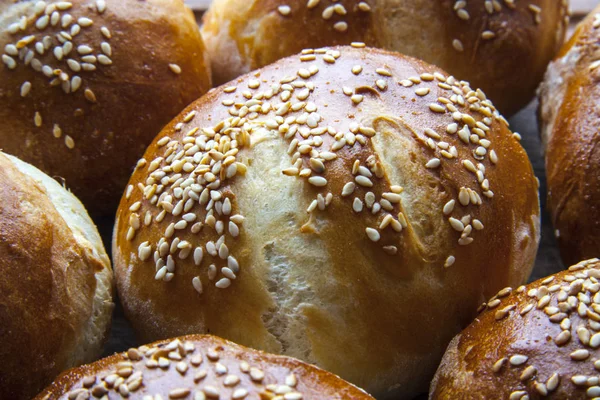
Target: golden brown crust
[[540, 341], [280, 271], [570, 123], [48, 285], [201, 366], [125, 88], [500, 47]]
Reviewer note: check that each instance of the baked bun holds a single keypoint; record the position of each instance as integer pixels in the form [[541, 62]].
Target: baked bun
[[311, 211], [56, 281], [85, 85], [200, 367], [502, 47], [570, 122], [538, 341]]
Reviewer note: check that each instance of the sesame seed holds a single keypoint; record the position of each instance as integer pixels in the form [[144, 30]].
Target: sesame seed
[[499, 364], [100, 6], [458, 46], [364, 7], [373, 234], [312, 3], [90, 96], [318, 181], [223, 283], [433, 163], [69, 142], [437, 108], [357, 69], [106, 32], [179, 393], [9, 61], [363, 181], [456, 224], [357, 98], [518, 359], [25, 88], [176, 69], [256, 374], [197, 283], [284, 10], [422, 91], [449, 207], [37, 119], [528, 373], [340, 26], [449, 261], [580, 355], [85, 22]]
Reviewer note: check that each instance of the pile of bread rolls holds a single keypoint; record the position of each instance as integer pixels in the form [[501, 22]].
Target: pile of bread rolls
[[323, 225]]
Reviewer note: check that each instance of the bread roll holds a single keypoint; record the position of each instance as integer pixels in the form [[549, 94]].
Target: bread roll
[[199, 367], [56, 281], [334, 216], [85, 85], [570, 121], [538, 341], [502, 47]]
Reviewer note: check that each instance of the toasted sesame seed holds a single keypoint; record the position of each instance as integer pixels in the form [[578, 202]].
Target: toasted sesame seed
[[37, 119], [499, 364], [90, 96], [422, 91]]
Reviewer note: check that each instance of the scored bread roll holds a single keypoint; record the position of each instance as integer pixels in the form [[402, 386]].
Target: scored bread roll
[[352, 220], [502, 47], [85, 85], [570, 121], [538, 341], [199, 367], [56, 281]]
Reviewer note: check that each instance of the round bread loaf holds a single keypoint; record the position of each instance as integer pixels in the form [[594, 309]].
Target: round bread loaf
[[502, 47], [56, 281], [199, 367], [354, 220], [538, 341], [570, 122], [85, 85]]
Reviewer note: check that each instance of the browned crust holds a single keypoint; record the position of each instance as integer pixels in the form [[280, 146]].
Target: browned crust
[[242, 36], [47, 285], [555, 336], [135, 96], [355, 268], [570, 123], [312, 382]]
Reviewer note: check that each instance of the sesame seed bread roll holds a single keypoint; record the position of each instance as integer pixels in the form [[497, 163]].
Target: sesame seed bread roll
[[502, 47], [354, 221], [199, 367], [538, 341], [85, 85], [570, 121], [56, 281]]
